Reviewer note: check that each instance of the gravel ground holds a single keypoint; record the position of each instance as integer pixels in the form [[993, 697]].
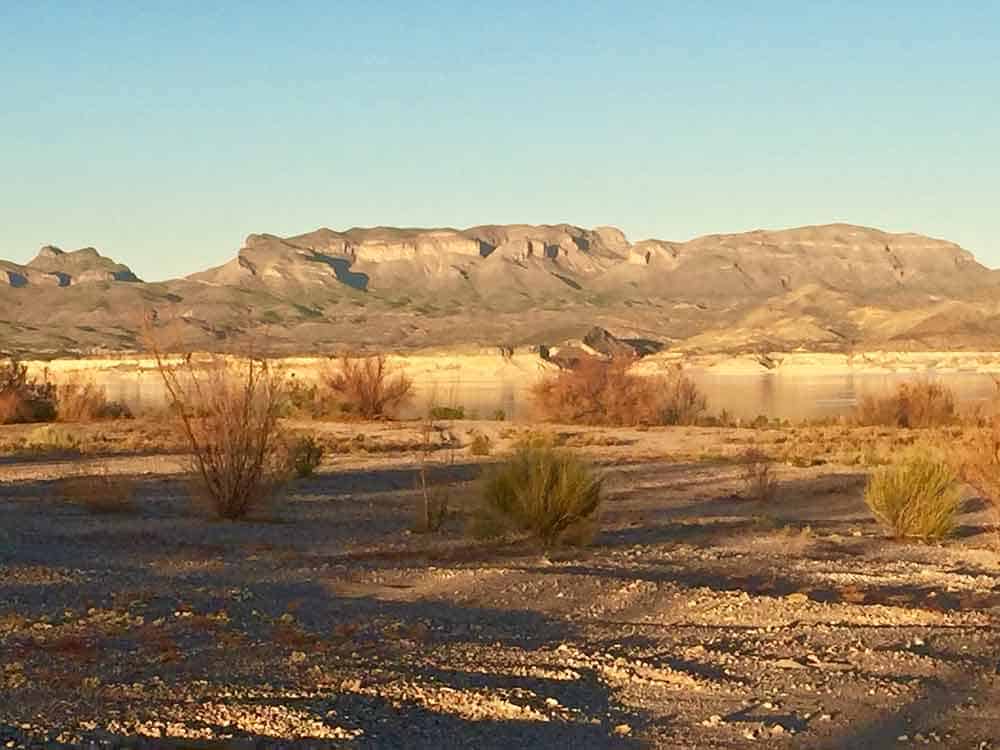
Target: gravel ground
[[697, 619]]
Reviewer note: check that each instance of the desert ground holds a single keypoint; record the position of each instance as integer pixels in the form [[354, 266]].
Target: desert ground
[[697, 617]]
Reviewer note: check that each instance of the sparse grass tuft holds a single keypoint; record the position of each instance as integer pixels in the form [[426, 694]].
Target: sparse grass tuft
[[915, 498], [543, 491]]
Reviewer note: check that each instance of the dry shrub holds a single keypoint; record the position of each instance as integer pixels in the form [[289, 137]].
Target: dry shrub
[[369, 387], [22, 398], [546, 492], [80, 400], [915, 498], [757, 476], [481, 444], [979, 464], [101, 493], [603, 392], [918, 404], [228, 413]]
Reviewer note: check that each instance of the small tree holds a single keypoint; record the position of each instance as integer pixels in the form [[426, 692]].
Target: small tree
[[369, 386]]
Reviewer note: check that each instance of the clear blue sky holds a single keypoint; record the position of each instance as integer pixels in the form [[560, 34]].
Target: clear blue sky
[[164, 132]]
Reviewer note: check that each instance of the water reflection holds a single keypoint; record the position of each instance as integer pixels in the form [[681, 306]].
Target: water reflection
[[793, 397]]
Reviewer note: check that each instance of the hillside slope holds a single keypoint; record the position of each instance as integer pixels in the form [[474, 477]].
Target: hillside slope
[[833, 287]]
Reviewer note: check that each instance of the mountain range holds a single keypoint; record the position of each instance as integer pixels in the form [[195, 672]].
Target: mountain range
[[835, 287]]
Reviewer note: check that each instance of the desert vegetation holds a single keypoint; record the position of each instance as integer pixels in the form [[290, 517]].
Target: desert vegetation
[[917, 497], [544, 491], [368, 387], [229, 414], [917, 404], [605, 392]]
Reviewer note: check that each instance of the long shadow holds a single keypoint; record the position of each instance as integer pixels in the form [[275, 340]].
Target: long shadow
[[342, 270], [439, 705]]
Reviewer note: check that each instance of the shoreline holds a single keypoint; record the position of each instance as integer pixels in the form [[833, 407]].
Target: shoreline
[[485, 363]]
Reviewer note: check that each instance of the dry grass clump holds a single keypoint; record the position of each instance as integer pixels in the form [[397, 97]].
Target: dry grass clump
[[600, 392], [22, 398], [757, 476], [917, 404], [546, 492], [915, 498], [228, 413], [100, 493], [369, 387]]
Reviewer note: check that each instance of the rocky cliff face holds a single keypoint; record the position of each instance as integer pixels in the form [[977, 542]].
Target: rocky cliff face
[[828, 287], [54, 267]]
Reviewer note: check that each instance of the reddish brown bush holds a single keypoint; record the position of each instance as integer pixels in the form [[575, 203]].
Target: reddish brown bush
[[369, 387], [22, 398], [79, 400], [918, 404], [600, 392]]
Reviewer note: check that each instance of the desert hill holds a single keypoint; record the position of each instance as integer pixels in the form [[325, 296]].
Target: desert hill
[[836, 287]]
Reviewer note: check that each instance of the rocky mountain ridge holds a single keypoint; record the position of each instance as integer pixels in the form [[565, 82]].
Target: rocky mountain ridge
[[826, 288]]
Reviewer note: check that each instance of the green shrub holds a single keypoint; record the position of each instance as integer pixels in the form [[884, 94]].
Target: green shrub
[[304, 456], [447, 412], [543, 491], [915, 498]]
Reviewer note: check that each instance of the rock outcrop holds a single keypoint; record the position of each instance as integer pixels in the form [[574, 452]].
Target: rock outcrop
[[832, 287]]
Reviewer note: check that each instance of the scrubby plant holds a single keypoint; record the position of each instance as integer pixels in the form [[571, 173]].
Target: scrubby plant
[[604, 392], [915, 498], [757, 475], [304, 456], [481, 444], [447, 412], [228, 413], [79, 400], [918, 404], [24, 398], [101, 493], [544, 491], [369, 387]]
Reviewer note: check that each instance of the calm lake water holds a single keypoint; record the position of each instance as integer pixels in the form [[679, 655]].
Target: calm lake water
[[793, 397]]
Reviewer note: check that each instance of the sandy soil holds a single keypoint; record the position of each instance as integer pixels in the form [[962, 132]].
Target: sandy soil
[[697, 619]]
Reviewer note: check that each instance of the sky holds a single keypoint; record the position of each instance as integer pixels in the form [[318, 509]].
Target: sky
[[164, 133]]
